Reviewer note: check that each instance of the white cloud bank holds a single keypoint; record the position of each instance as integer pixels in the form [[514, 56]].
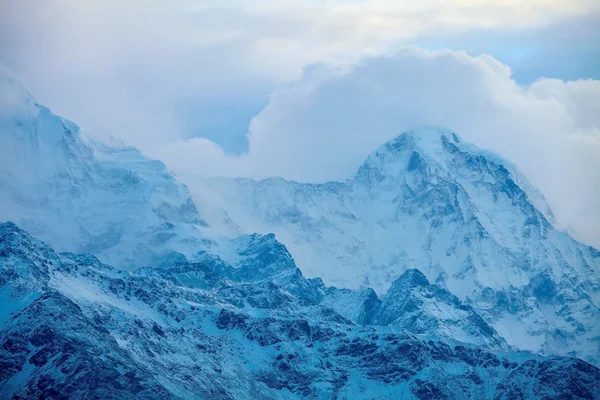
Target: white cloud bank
[[130, 67], [323, 125]]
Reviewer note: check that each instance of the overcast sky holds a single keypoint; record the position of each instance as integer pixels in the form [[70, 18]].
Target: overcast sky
[[263, 88]]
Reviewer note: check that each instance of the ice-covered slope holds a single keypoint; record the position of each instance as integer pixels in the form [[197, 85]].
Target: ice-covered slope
[[466, 218], [415, 305], [81, 195], [216, 330]]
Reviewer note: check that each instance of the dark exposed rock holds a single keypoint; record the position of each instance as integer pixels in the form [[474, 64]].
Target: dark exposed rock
[[147, 335]]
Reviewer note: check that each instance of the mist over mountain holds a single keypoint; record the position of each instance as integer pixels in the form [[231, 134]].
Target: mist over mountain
[[465, 217], [435, 272]]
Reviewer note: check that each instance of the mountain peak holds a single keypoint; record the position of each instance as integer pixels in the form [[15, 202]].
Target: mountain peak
[[60, 184], [23, 255], [411, 277], [417, 150], [427, 140], [9, 226], [404, 304], [426, 156], [14, 97], [11, 235]]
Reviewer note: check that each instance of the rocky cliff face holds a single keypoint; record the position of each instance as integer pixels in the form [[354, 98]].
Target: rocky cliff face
[[412, 303], [77, 328]]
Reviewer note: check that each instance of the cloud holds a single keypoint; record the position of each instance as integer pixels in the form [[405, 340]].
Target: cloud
[[323, 125], [566, 49], [150, 71]]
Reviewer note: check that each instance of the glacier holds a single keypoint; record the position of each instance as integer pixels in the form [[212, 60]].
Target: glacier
[[436, 272]]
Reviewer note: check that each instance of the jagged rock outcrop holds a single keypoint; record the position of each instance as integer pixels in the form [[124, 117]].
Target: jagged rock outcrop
[[86, 330]]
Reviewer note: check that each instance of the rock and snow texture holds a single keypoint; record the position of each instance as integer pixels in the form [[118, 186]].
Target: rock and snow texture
[[412, 303], [459, 248], [465, 217], [81, 195], [78, 328]]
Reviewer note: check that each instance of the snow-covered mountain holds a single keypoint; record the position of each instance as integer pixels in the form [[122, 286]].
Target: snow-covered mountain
[[412, 303], [84, 196], [465, 217], [73, 327], [459, 248]]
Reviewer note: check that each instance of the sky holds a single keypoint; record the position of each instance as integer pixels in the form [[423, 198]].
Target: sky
[[277, 88]]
